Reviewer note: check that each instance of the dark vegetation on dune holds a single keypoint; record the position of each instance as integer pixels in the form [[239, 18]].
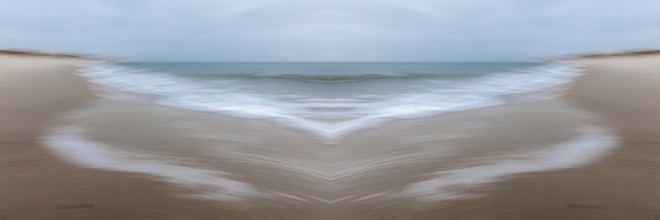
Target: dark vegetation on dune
[[46, 54], [630, 53]]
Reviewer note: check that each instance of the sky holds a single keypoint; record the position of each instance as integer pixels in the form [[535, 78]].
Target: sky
[[330, 30]]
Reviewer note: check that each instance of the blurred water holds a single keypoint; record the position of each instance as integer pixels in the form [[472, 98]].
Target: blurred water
[[331, 100]]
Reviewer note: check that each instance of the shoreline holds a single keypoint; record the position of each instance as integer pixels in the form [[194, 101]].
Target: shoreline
[[302, 177]]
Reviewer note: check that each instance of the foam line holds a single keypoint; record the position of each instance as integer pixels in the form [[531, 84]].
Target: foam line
[[69, 142], [592, 143]]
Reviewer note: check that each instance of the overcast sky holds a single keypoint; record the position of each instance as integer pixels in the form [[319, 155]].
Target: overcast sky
[[329, 30]]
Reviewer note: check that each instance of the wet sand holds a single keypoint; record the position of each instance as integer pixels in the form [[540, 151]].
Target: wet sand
[[155, 162]]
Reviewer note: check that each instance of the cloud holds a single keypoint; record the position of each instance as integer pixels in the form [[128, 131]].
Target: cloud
[[367, 30]]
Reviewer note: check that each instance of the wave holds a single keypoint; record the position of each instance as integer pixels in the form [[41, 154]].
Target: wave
[[330, 106]]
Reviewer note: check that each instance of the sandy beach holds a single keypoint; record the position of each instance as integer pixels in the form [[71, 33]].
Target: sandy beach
[[69, 154]]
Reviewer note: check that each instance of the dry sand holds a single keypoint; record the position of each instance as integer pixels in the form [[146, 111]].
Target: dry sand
[[363, 182]]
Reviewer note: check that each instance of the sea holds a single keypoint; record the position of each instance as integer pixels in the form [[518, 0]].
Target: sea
[[330, 100]]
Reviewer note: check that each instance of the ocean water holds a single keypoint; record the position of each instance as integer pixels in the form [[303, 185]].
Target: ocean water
[[329, 100]]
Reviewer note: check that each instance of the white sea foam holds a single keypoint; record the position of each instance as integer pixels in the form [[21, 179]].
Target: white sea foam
[[70, 143], [591, 143], [333, 169], [330, 116]]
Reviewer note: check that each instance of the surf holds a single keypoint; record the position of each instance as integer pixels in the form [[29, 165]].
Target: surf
[[325, 102]]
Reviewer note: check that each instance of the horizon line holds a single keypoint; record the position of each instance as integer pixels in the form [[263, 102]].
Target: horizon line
[[183, 61]]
